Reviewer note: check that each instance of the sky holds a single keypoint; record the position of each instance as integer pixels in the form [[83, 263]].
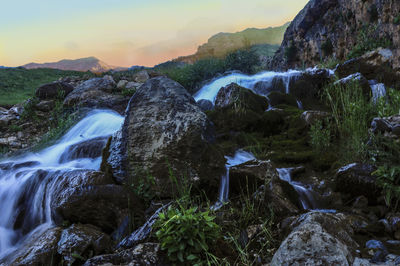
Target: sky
[[126, 32]]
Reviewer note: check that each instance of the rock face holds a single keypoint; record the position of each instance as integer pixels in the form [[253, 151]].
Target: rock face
[[317, 239], [165, 130], [327, 28], [97, 93], [54, 90]]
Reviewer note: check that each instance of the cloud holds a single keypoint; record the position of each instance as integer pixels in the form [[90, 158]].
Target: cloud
[[71, 46]]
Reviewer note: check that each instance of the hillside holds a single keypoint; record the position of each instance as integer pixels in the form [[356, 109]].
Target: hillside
[[221, 44], [83, 64]]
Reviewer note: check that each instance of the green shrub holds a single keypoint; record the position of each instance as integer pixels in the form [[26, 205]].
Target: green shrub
[[187, 234], [242, 60], [352, 112], [390, 105], [330, 62], [320, 136], [368, 39], [396, 20], [388, 178]]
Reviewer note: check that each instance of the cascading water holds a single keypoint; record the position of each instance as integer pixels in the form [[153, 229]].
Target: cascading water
[[210, 91], [239, 157], [27, 182], [305, 196], [378, 90]]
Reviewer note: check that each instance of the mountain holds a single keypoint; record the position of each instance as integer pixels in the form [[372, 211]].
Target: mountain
[[222, 43], [83, 64], [339, 29]]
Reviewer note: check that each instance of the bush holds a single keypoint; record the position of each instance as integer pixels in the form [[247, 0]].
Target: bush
[[242, 60], [388, 178], [390, 105], [396, 20], [368, 39], [187, 234]]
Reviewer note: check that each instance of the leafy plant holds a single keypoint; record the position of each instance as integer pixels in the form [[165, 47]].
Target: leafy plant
[[187, 234], [243, 60], [390, 105], [388, 178], [396, 20]]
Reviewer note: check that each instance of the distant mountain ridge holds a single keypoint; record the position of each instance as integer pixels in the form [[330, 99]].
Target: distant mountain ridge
[[223, 43], [83, 64]]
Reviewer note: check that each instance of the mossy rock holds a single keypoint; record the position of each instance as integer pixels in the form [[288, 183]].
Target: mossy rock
[[277, 98]]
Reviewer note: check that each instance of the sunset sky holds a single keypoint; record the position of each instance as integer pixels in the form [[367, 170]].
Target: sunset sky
[[126, 32]]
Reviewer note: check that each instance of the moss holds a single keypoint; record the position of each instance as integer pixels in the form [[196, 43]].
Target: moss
[[292, 157], [277, 98]]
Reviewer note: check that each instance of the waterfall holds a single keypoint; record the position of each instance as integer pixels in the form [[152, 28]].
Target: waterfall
[[210, 91], [239, 157], [305, 195], [378, 90], [27, 182]]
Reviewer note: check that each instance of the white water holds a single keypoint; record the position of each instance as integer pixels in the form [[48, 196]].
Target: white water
[[378, 90], [26, 185], [305, 197], [210, 91], [239, 158]]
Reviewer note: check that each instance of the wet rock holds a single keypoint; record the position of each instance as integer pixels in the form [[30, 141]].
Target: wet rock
[[265, 88], [309, 84], [121, 84], [357, 180], [133, 85], [97, 93], [356, 77], [315, 242], [360, 202], [165, 130], [89, 197], [241, 97], [310, 117], [39, 249], [205, 105], [54, 90], [378, 249], [86, 149], [82, 241], [389, 125], [7, 119], [390, 260], [142, 254]]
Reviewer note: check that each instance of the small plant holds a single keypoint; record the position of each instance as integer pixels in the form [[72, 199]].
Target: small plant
[[128, 92], [329, 63], [187, 235], [396, 20], [390, 105], [320, 136], [388, 178], [29, 109], [142, 187]]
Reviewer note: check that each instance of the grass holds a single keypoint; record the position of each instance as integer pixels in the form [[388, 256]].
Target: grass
[[19, 84]]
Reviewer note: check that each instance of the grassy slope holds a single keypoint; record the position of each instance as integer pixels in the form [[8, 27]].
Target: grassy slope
[[18, 84]]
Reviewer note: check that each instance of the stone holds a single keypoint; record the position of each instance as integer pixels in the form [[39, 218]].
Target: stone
[[356, 77], [390, 125], [133, 85], [357, 180], [311, 117], [54, 90], [84, 241], [360, 202], [45, 106], [317, 239], [205, 105], [165, 130], [122, 83], [86, 149], [141, 76]]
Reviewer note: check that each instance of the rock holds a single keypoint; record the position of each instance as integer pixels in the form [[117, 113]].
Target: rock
[[97, 93], [141, 76], [86, 149], [90, 197], [121, 84], [133, 85], [390, 125], [360, 202], [278, 98], [357, 180], [142, 254], [38, 249], [241, 98], [310, 117], [356, 77], [376, 64], [317, 239], [278, 84], [378, 249], [309, 84], [54, 90], [84, 241], [7, 119], [165, 130], [45, 106], [205, 105]]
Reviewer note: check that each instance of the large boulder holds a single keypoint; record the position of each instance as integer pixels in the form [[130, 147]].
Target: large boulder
[[54, 90], [389, 126], [90, 197], [357, 180], [83, 241], [165, 132], [97, 93], [86, 149], [39, 249], [205, 105], [317, 239]]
